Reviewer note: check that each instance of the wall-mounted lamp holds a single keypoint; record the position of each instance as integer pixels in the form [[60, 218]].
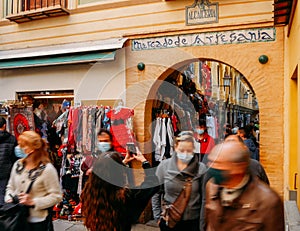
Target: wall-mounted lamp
[[141, 66], [226, 82], [263, 59]]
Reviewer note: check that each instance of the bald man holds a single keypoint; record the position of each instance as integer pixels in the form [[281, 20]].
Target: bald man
[[235, 199]]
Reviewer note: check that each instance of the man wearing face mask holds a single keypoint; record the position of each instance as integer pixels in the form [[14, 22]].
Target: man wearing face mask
[[205, 140], [104, 145], [7, 156], [235, 198]]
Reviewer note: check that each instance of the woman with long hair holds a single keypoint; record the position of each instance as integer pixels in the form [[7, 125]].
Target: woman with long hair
[[35, 166], [108, 202]]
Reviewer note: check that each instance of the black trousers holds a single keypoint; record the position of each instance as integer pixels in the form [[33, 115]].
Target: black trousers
[[45, 225], [38, 226], [190, 225]]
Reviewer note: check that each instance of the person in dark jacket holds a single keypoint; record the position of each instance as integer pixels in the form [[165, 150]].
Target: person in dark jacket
[[108, 202], [245, 135], [235, 200], [7, 156], [255, 167]]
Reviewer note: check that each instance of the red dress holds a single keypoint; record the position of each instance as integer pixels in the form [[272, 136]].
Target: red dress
[[121, 129]]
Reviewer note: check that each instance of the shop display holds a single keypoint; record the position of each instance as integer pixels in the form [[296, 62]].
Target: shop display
[[22, 119]]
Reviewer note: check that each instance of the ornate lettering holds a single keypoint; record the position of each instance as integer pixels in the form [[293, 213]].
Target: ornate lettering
[[205, 39]]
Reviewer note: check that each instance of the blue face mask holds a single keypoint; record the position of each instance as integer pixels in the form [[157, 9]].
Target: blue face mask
[[19, 152], [104, 146], [184, 157], [200, 131]]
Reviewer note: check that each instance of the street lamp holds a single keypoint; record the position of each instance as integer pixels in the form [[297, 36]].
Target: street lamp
[[226, 82]]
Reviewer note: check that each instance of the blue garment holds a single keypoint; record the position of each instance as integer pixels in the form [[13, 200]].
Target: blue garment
[[252, 148]]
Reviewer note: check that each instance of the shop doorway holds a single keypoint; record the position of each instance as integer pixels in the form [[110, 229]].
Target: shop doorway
[[205, 90]]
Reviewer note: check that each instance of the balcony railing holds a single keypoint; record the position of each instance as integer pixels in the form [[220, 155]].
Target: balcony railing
[[26, 10]]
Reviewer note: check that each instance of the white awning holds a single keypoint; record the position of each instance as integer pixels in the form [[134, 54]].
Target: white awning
[[108, 44]]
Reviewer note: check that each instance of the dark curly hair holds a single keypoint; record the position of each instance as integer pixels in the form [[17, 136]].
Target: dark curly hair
[[103, 200]]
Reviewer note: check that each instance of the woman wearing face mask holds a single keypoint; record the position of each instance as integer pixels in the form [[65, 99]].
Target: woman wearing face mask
[[205, 140], [45, 191], [172, 173], [104, 145]]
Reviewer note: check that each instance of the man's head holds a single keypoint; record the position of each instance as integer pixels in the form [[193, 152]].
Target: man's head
[[228, 163], [2, 124], [201, 127]]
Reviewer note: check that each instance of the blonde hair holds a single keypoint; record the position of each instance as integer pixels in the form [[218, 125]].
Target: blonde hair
[[35, 141], [187, 136]]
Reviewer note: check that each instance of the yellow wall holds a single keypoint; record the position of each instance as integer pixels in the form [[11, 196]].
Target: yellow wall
[[293, 104], [127, 18]]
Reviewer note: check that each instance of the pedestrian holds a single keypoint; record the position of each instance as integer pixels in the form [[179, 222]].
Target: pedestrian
[[249, 129], [173, 173], [205, 140], [235, 129], [255, 167], [235, 200], [8, 143], [104, 144], [35, 167], [245, 135], [107, 201]]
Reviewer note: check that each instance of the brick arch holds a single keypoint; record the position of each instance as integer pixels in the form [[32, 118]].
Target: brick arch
[[266, 81]]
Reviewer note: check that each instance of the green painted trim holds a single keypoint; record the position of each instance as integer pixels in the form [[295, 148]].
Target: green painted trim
[[58, 60]]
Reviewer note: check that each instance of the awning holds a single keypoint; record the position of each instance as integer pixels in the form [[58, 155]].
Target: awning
[[92, 51]]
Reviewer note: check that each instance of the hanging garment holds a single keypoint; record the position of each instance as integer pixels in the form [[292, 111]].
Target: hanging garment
[[210, 124], [71, 139], [206, 79], [163, 138], [157, 139], [170, 134], [174, 123], [122, 134]]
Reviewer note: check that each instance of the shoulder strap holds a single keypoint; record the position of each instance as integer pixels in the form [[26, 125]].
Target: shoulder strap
[[37, 173], [30, 186]]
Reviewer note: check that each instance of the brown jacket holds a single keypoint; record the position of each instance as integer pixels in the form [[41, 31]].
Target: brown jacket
[[257, 208]]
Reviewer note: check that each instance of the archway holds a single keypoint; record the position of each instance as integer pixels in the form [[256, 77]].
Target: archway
[[195, 90]]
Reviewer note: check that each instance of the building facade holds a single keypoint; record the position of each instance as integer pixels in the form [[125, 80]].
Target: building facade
[[123, 49]]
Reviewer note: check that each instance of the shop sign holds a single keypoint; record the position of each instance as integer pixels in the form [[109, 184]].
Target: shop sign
[[206, 39], [202, 12]]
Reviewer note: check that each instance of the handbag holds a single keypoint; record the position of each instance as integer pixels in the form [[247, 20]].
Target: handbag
[[172, 213], [13, 215]]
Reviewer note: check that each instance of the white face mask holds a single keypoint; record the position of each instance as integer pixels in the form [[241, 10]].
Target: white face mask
[[184, 157], [104, 146], [200, 131]]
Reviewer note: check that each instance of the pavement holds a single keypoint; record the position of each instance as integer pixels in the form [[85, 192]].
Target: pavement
[[64, 225]]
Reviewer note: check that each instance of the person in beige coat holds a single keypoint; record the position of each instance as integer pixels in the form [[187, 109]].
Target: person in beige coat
[[45, 191], [235, 199]]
